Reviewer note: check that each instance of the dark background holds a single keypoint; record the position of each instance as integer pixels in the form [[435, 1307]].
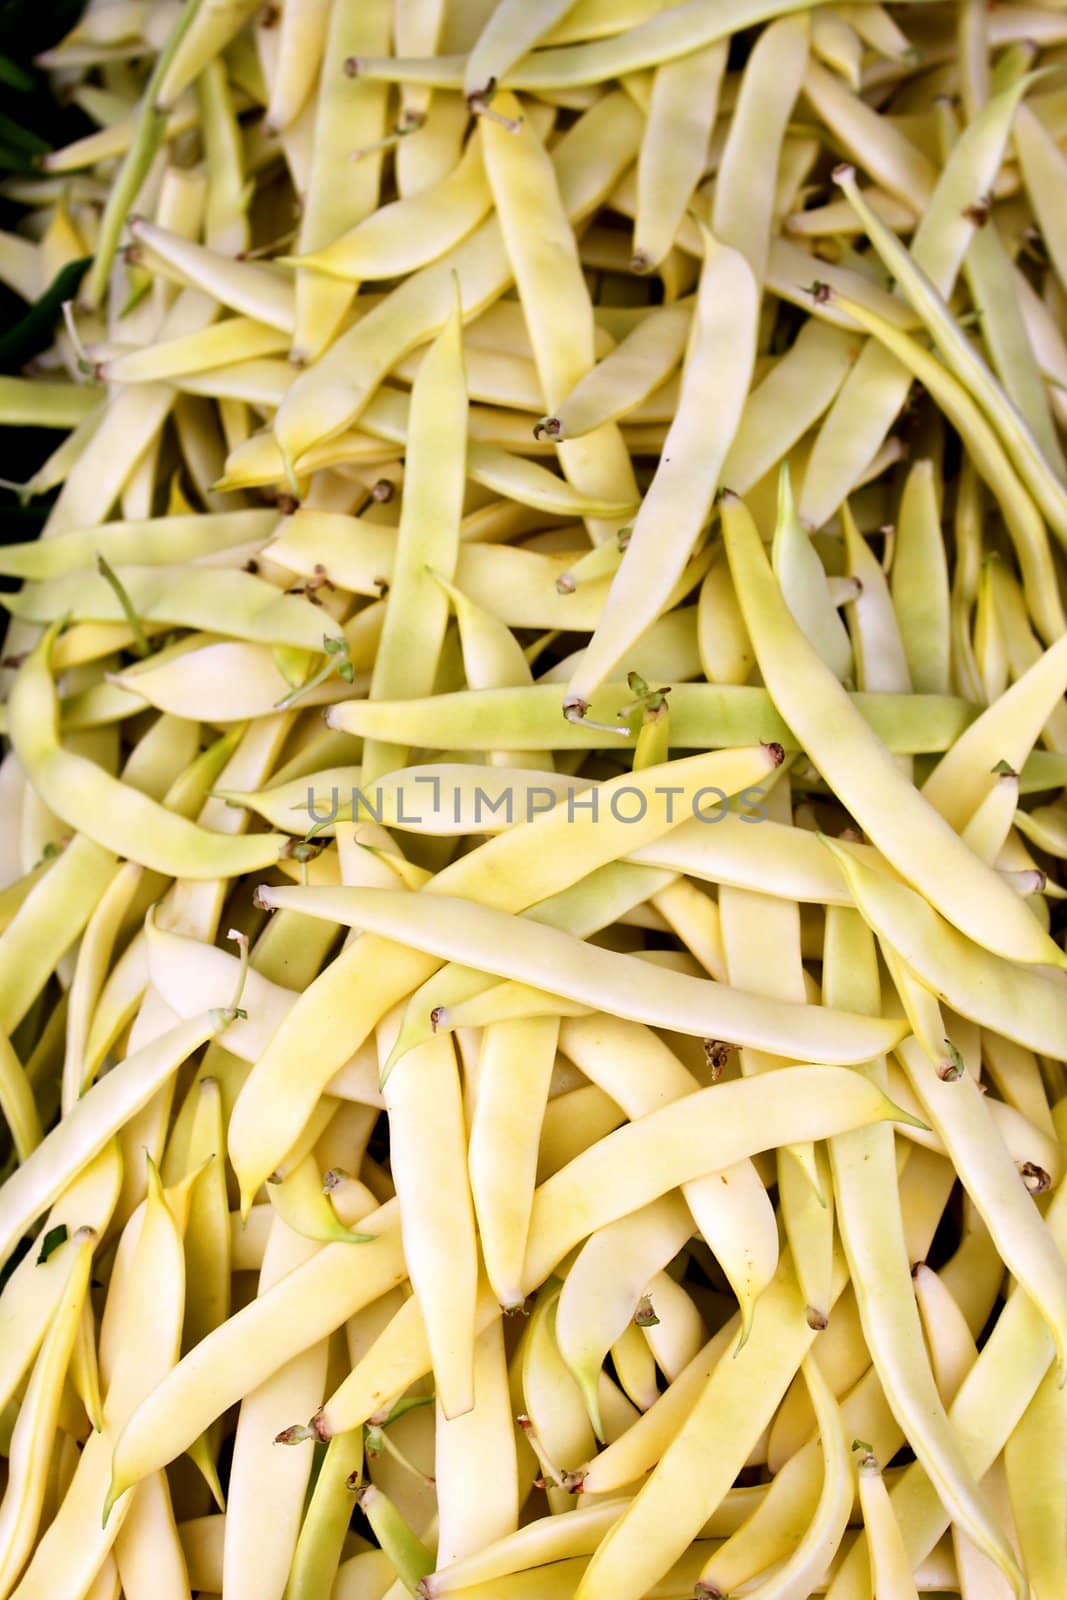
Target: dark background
[[31, 119]]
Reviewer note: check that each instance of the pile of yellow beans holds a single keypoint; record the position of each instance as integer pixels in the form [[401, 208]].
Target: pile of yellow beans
[[533, 1009]]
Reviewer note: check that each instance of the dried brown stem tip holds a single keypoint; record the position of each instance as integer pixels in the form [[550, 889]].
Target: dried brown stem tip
[[717, 1054], [1036, 1179]]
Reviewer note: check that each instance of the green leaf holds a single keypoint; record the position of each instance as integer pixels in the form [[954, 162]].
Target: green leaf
[[33, 332], [52, 1241]]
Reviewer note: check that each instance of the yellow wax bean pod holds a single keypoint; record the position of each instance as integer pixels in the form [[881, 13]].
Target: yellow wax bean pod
[[537, 229], [428, 1159], [968, 531], [962, 360], [243, 680], [505, 1002], [398, 1357], [702, 715], [514, 869], [900, 822], [593, 903], [682, 109], [991, 821], [872, 1233], [491, 465], [83, 1133], [438, 799], [788, 269], [430, 148], [163, 539], [990, 643], [497, 378], [715, 380], [148, 1552], [604, 1285], [207, 1241], [17, 1102], [635, 1369], [123, 901], [301, 41], [787, 401], [1009, 998], [407, 234], [871, 397], [235, 339], [1045, 826], [741, 1394], [48, 922], [534, 1546], [1024, 523], [1041, 164], [514, 1073], [114, 814], [679, 1331], [265, 1498], [822, 1538], [184, 971], [472, 1512], [225, 219], [326, 399], [986, 1409], [891, 1569], [202, 1540], [1023, 647], [340, 193], [919, 582], [35, 1429], [301, 1202], [1032, 1460], [871, 139], [492, 656], [592, 1198], [20, 270], [510, 32], [990, 278], [676, 31], [723, 1013], [626, 375], [804, 586], [837, 45], [417, 27], [322, 1532], [957, 1109], [88, 1521], [726, 654], [841, 1355], [220, 600], [215, 23], [45, 405], [1006, 731], [881, 660], [952, 1347], [294, 1314], [743, 206], [246, 286], [1015, 1073], [556, 1425], [427, 539], [32, 1289]]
